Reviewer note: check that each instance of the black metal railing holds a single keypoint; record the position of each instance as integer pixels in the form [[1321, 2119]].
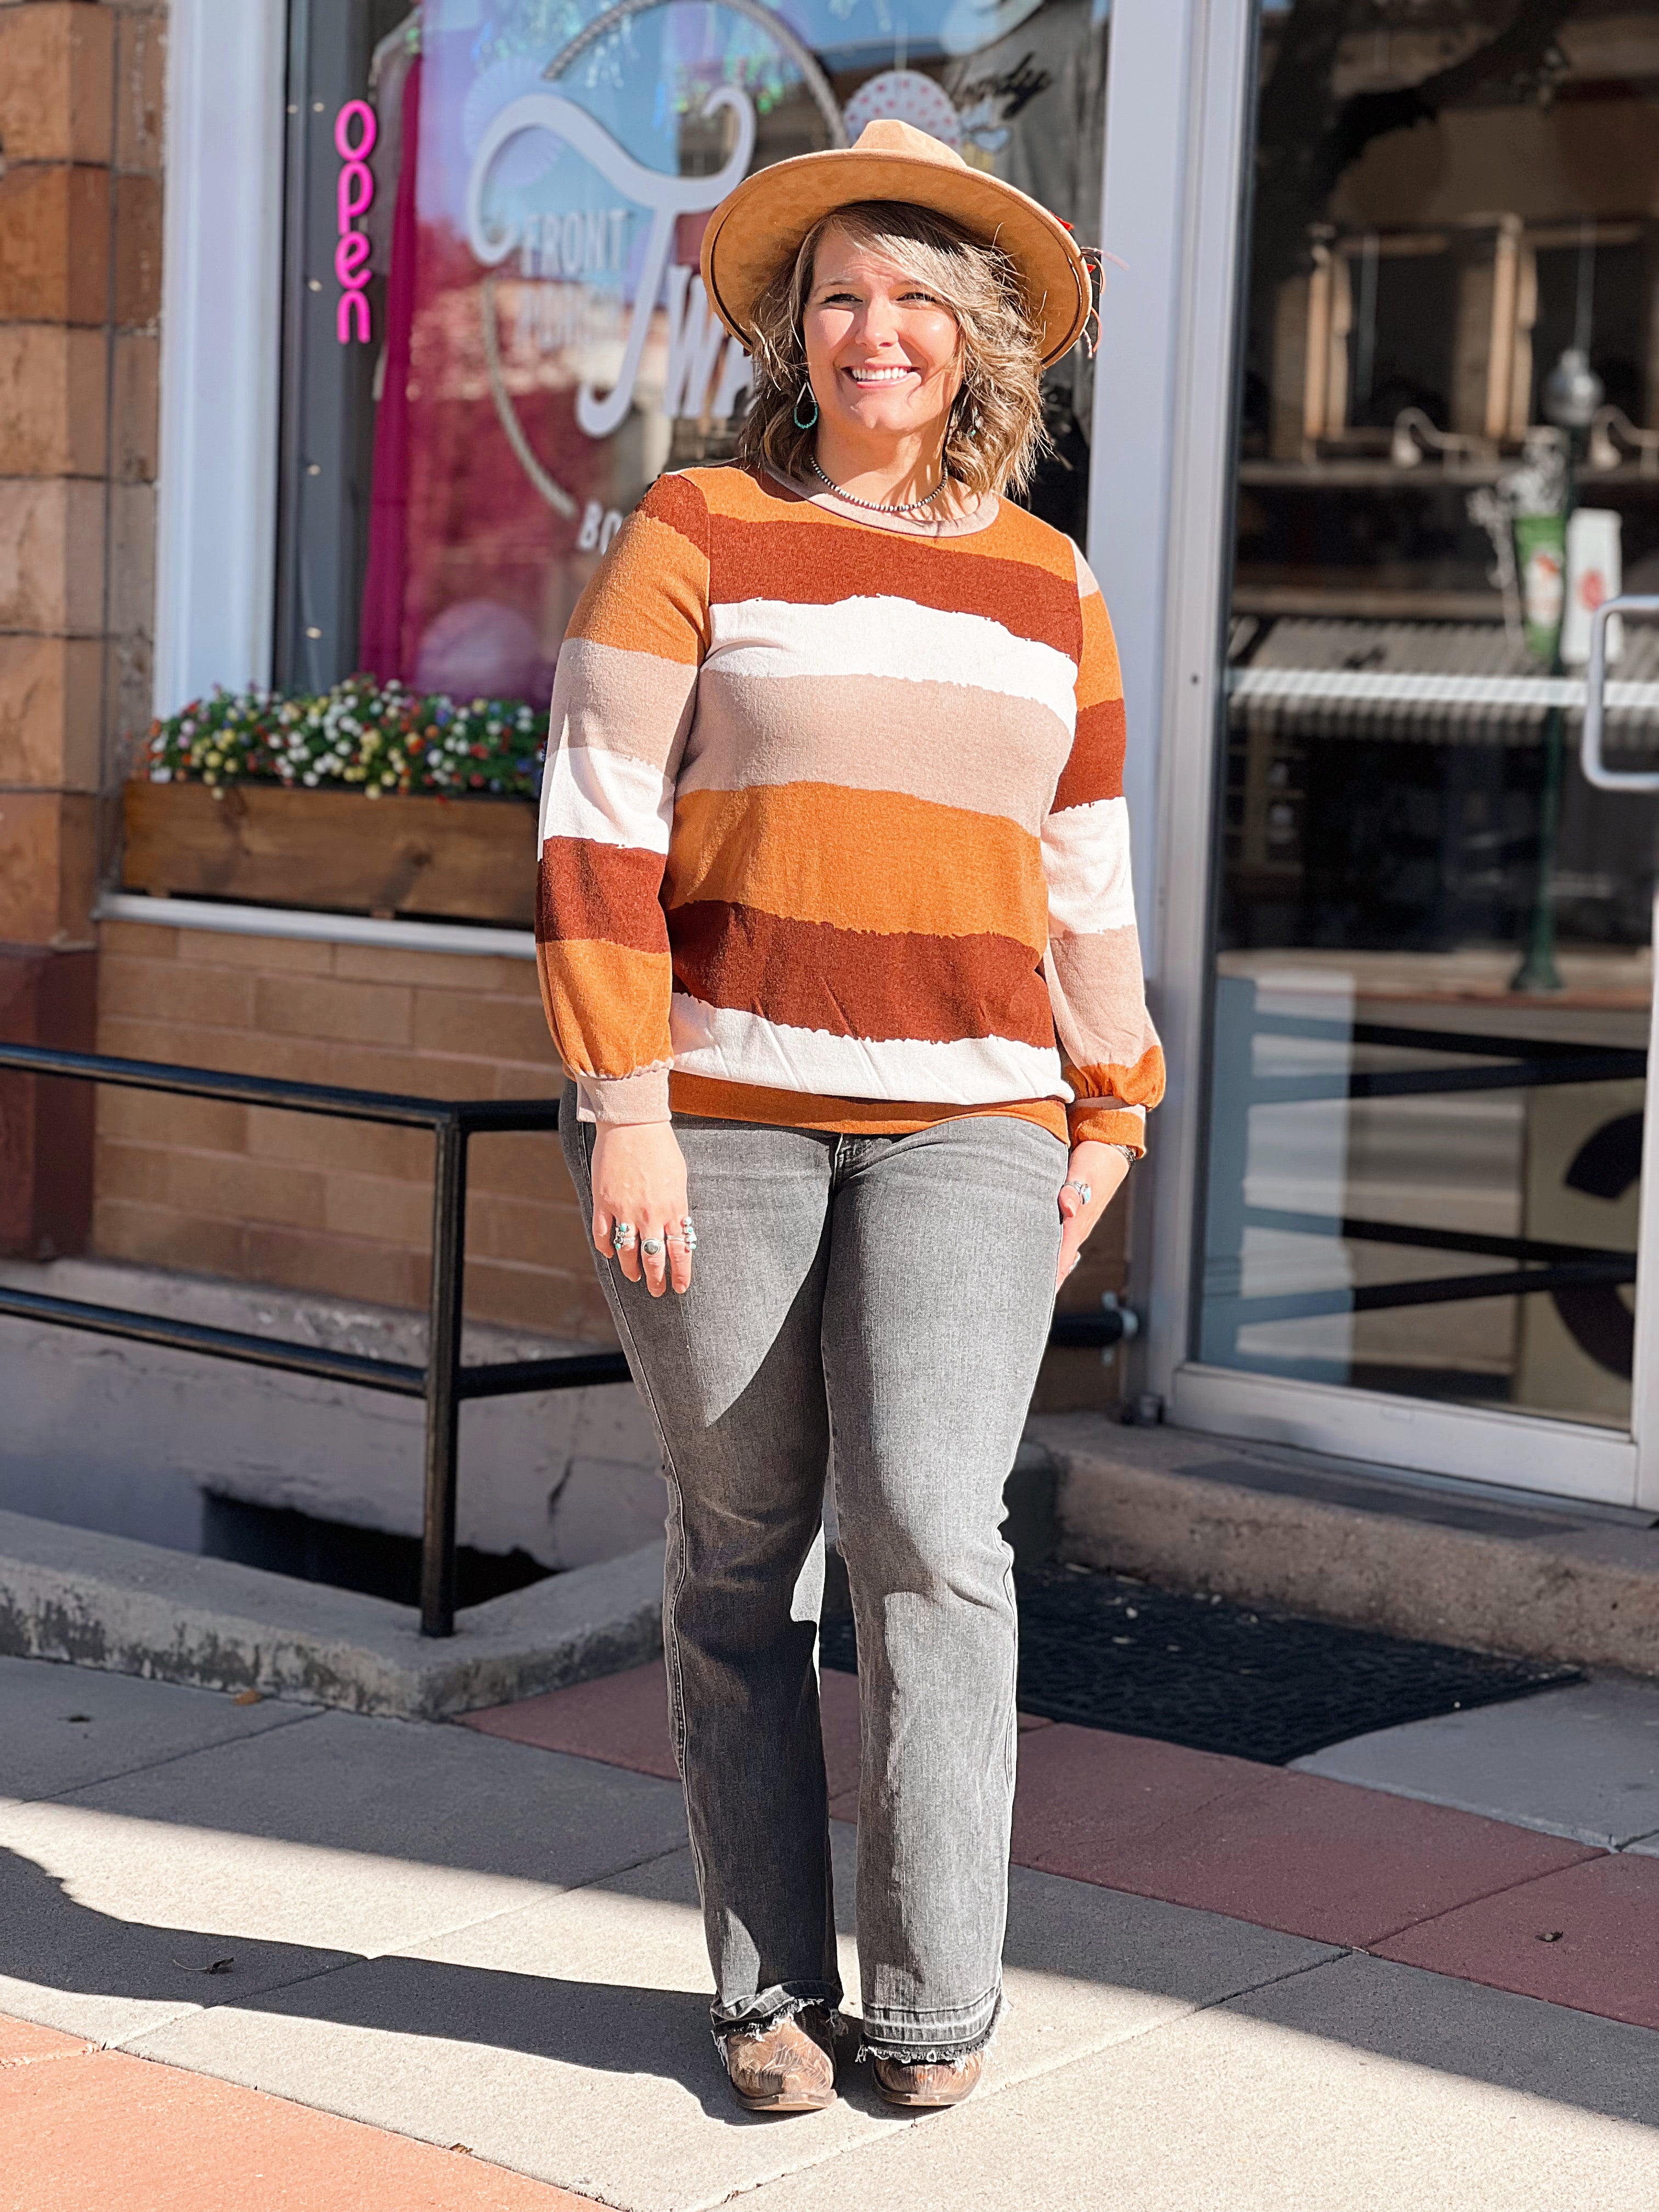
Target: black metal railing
[[444, 1383]]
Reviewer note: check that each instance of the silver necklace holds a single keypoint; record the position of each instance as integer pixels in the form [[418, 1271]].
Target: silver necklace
[[875, 506]]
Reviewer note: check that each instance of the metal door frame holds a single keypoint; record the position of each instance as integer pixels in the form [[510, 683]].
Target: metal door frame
[[1181, 100]]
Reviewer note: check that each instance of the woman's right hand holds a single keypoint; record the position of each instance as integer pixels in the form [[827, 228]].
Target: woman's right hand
[[639, 1176]]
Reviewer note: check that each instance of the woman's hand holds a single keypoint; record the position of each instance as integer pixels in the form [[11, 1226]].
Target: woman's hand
[[1103, 1168], [639, 1177]]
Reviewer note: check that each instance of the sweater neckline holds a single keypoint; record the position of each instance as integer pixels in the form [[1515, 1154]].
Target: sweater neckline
[[893, 526]]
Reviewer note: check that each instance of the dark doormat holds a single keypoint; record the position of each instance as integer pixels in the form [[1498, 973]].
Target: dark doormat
[[1111, 1654]]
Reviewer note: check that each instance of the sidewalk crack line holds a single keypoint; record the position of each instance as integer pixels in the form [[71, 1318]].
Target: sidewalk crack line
[[153, 1765], [1481, 1896]]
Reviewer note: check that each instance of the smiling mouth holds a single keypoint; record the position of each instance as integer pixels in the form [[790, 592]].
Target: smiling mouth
[[874, 379]]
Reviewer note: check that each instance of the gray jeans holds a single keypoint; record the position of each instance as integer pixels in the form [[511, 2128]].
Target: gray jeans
[[879, 1305]]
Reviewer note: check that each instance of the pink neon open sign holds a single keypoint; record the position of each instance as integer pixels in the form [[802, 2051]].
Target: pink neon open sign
[[352, 250]]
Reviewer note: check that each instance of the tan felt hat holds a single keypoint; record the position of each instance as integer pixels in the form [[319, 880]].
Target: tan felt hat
[[759, 227]]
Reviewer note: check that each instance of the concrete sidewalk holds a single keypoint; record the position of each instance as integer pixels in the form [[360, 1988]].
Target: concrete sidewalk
[[461, 1937]]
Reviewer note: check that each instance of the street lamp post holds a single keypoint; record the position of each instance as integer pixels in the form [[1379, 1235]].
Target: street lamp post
[[1571, 394]]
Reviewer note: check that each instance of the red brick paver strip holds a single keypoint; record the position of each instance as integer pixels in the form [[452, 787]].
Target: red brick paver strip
[[1086, 1796], [1587, 1937], [91, 2131], [623, 1721], [1327, 1860], [1308, 1856]]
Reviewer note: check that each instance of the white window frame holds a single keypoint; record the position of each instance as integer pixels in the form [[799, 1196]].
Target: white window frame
[[1178, 83], [221, 311]]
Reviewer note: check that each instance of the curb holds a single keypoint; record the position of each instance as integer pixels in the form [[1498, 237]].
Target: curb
[[1533, 1576], [130, 1608]]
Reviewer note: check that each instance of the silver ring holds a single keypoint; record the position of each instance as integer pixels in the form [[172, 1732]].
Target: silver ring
[[652, 1247], [688, 1236], [622, 1234], [1084, 1193]]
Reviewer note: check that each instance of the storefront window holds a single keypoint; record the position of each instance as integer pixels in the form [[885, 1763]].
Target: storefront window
[[475, 398], [1433, 966]]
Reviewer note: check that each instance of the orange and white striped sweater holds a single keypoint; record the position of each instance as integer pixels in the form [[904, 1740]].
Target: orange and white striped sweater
[[833, 831]]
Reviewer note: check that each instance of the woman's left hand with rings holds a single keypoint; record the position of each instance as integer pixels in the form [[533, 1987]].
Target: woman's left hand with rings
[[640, 1216], [1094, 1177]]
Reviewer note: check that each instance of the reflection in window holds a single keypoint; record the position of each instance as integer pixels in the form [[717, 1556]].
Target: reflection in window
[[1434, 963]]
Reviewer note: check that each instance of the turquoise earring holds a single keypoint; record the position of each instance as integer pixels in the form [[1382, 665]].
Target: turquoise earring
[[807, 392]]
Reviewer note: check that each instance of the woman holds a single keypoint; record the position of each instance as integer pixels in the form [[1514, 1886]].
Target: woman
[[836, 940]]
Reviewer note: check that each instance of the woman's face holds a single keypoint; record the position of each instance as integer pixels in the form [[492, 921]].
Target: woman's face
[[882, 352]]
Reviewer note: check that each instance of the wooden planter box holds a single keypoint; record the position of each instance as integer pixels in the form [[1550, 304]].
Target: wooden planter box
[[453, 860]]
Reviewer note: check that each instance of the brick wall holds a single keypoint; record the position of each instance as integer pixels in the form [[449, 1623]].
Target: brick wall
[[82, 97], [338, 1207], [81, 118]]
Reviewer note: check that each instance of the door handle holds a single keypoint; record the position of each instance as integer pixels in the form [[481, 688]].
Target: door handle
[[1595, 679]]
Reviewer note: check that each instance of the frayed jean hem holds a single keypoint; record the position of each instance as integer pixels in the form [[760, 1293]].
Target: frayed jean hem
[[786, 2002], [934, 2043]]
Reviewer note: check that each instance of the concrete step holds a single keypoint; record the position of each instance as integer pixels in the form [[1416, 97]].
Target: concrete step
[[90, 1600], [137, 1440], [1410, 1555]]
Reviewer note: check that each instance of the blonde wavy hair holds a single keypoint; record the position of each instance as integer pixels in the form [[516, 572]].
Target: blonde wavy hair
[[995, 436]]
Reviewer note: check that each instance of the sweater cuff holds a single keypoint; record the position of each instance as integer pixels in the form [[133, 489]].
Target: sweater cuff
[[624, 1099], [1097, 1122]]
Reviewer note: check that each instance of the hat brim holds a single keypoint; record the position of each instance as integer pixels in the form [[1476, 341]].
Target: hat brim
[[759, 227]]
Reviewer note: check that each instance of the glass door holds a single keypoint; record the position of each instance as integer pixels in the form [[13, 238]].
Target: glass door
[[1432, 957]]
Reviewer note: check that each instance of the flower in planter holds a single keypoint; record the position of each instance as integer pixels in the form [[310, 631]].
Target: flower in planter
[[360, 736]]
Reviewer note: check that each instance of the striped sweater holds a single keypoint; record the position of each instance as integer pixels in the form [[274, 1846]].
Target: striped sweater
[[833, 831]]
